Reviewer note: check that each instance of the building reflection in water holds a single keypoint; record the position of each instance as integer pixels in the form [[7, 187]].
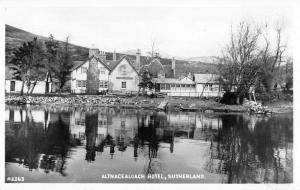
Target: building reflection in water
[[245, 149]]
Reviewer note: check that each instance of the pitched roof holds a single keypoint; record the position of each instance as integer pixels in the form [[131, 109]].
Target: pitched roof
[[80, 63], [206, 78], [118, 62], [154, 67]]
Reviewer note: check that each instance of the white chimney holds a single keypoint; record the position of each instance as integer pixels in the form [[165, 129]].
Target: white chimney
[[138, 59], [115, 56], [174, 66]]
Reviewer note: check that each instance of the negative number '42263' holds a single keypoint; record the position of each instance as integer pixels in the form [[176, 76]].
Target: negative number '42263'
[[14, 179]]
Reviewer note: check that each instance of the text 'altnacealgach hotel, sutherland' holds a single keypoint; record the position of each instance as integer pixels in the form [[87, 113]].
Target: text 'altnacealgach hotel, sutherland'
[[122, 74]]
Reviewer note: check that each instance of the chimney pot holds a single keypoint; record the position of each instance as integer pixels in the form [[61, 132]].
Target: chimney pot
[[174, 66], [138, 59], [115, 55]]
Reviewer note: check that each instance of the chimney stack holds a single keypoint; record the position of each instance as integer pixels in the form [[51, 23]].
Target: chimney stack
[[94, 52], [174, 66], [115, 56], [138, 59]]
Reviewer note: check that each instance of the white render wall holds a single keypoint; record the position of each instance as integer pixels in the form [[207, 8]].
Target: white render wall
[[40, 87], [78, 75], [130, 76]]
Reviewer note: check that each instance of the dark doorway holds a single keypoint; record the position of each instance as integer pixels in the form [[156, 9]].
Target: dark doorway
[[47, 87], [12, 86], [157, 87]]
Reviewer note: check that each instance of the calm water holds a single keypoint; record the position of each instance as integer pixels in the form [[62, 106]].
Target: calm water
[[47, 144]]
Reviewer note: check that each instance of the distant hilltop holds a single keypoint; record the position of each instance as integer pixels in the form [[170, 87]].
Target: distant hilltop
[[15, 37], [204, 59]]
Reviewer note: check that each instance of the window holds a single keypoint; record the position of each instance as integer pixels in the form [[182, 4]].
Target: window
[[79, 121], [103, 84], [83, 70], [122, 124], [162, 86], [102, 71], [81, 83], [168, 87], [123, 84], [177, 85], [173, 85], [123, 69]]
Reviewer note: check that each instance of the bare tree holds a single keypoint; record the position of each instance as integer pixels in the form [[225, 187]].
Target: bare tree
[[145, 76], [240, 62], [272, 58]]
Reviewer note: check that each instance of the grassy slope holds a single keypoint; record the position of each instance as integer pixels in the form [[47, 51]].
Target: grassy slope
[[15, 37]]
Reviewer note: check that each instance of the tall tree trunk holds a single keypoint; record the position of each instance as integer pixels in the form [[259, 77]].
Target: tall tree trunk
[[144, 91], [238, 102], [22, 88]]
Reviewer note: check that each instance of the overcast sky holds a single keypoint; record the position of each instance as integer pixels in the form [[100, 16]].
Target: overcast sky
[[177, 31]]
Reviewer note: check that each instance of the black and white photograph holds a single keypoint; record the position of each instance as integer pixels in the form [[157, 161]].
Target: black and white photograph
[[133, 93]]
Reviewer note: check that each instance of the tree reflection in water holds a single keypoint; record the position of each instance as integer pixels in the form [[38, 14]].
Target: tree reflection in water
[[253, 156], [244, 149], [35, 145]]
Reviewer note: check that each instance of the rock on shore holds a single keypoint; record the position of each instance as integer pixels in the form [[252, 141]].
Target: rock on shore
[[91, 100]]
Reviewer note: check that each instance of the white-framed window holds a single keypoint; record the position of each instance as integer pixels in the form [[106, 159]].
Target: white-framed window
[[79, 121], [123, 124], [103, 84], [102, 71], [83, 70], [123, 69], [123, 84], [81, 83], [100, 84], [168, 87]]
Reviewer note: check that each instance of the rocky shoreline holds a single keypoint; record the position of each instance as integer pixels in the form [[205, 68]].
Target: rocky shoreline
[[174, 104]]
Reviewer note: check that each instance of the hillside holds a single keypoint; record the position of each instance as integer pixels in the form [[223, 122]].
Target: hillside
[[15, 37]]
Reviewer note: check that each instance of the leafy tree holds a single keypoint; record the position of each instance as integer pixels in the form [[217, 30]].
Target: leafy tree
[[37, 71], [61, 58], [145, 82], [52, 47], [28, 64]]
